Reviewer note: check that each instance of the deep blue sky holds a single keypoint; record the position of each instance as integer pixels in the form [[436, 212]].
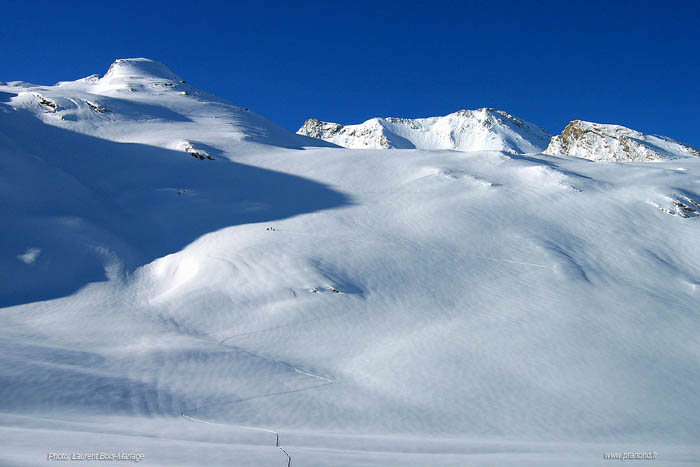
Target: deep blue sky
[[635, 63]]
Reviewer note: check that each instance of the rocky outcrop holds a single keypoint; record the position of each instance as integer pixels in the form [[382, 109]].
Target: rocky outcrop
[[615, 143]]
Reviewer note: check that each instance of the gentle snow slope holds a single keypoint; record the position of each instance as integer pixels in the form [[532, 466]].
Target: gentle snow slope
[[466, 130], [404, 307]]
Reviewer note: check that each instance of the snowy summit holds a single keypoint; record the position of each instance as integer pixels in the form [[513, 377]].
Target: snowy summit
[[138, 68], [466, 130]]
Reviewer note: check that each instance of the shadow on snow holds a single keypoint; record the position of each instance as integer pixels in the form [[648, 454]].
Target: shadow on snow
[[85, 202]]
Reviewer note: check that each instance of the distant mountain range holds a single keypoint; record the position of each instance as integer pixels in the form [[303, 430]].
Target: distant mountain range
[[491, 129]]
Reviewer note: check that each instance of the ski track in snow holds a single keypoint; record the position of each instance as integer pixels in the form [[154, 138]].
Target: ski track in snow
[[325, 382]]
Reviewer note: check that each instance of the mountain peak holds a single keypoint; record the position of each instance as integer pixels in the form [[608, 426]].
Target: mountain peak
[[464, 130], [606, 142], [125, 68]]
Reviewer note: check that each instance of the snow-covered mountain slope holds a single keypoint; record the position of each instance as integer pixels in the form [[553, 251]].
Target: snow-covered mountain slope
[[142, 101], [356, 307], [466, 130], [600, 142], [133, 164]]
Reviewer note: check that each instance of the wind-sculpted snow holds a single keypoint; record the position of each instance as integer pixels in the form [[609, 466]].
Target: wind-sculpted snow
[[356, 307], [93, 205]]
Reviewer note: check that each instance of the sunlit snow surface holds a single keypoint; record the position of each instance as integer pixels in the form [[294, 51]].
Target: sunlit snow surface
[[465, 130], [432, 308]]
